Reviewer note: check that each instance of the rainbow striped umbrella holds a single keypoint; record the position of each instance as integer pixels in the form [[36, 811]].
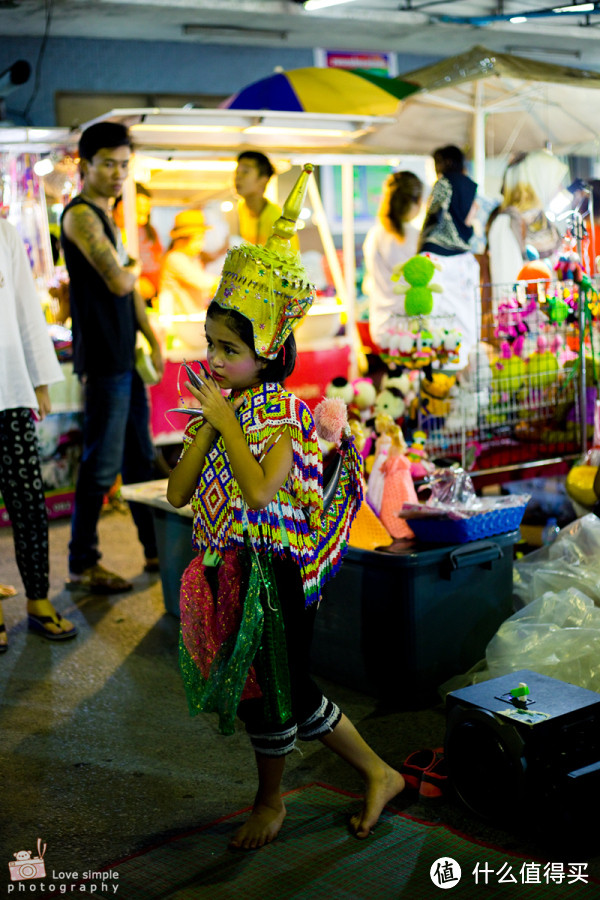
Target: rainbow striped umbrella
[[316, 90]]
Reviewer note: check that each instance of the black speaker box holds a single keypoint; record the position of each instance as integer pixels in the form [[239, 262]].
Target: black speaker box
[[532, 760]]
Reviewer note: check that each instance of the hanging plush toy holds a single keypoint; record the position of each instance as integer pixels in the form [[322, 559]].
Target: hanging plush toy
[[417, 273]]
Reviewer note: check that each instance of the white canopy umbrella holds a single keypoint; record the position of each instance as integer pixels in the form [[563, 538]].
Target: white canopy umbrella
[[495, 104]]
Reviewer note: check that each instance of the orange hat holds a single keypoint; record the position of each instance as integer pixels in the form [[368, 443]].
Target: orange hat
[[188, 222]]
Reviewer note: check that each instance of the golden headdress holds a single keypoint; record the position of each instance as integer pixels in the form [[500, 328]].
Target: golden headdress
[[268, 284]]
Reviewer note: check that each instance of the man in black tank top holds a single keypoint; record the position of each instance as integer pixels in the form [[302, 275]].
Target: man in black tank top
[[106, 311]]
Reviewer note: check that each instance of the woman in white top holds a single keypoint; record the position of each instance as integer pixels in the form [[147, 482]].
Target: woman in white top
[[28, 364], [531, 181], [390, 242]]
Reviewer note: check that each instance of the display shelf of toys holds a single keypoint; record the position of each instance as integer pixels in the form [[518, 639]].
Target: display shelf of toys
[[527, 394], [523, 398]]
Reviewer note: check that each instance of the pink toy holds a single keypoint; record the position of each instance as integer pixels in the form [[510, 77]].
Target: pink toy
[[331, 418]]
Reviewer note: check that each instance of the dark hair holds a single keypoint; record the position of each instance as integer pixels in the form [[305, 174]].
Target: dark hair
[[401, 190], [263, 163], [275, 369], [100, 135], [449, 159]]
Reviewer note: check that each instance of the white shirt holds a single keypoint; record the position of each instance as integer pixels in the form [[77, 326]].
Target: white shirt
[[506, 260], [382, 252], [27, 357]]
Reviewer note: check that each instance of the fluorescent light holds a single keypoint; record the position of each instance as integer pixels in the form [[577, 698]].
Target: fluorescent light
[[185, 129], [517, 20], [575, 7], [231, 32], [543, 51], [189, 165], [312, 5], [298, 130]]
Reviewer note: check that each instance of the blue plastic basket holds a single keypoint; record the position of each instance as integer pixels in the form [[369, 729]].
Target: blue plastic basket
[[458, 531]]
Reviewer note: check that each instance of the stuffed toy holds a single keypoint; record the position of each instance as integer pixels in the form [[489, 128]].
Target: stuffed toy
[[417, 456], [537, 275], [568, 267], [364, 395], [542, 366], [340, 387], [407, 383], [358, 395], [417, 273], [508, 373], [434, 397], [390, 401]]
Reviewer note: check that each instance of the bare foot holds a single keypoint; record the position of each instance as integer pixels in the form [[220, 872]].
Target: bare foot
[[381, 787], [262, 827]]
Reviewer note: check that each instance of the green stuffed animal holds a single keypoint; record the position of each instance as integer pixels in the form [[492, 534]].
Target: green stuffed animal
[[417, 273]]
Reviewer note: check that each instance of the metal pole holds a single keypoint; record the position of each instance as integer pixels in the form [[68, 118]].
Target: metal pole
[[349, 254], [479, 139], [581, 317]]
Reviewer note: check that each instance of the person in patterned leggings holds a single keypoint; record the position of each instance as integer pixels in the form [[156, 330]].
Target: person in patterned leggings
[[28, 365]]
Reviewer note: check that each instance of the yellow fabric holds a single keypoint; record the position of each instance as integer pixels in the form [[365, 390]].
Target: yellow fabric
[[580, 485], [367, 531], [258, 230], [353, 95]]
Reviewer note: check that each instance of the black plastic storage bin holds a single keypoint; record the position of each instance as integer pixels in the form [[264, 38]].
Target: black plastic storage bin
[[397, 624], [175, 552]]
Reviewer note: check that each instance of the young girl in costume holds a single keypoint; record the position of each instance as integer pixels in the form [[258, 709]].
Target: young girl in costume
[[252, 469]]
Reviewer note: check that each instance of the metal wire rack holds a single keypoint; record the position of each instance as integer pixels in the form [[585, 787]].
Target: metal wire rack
[[526, 397]]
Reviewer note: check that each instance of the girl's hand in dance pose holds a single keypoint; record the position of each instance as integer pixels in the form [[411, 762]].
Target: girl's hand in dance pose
[[217, 410]]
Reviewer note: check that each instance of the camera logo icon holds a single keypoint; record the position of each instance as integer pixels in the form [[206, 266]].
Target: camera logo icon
[[27, 866]]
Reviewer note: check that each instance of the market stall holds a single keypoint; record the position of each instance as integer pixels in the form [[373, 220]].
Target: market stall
[[24, 202], [187, 157], [496, 104]]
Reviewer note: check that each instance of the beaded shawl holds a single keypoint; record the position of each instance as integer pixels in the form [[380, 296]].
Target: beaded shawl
[[316, 539]]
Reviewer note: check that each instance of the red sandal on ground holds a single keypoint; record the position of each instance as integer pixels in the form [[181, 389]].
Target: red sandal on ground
[[425, 771]]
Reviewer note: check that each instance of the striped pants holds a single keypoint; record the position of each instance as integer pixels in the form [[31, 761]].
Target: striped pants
[[313, 715]]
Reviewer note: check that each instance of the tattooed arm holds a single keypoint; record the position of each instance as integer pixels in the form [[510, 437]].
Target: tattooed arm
[[85, 229]]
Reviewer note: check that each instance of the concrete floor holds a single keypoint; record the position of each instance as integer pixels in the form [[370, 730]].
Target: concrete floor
[[99, 755]]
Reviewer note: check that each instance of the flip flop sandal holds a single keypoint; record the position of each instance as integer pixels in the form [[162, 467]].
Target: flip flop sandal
[[37, 624], [98, 580], [3, 647], [416, 764]]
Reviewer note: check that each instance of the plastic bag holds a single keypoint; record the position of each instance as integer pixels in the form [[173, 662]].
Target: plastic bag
[[571, 561], [557, 630], [557, 635], [451, 487]]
